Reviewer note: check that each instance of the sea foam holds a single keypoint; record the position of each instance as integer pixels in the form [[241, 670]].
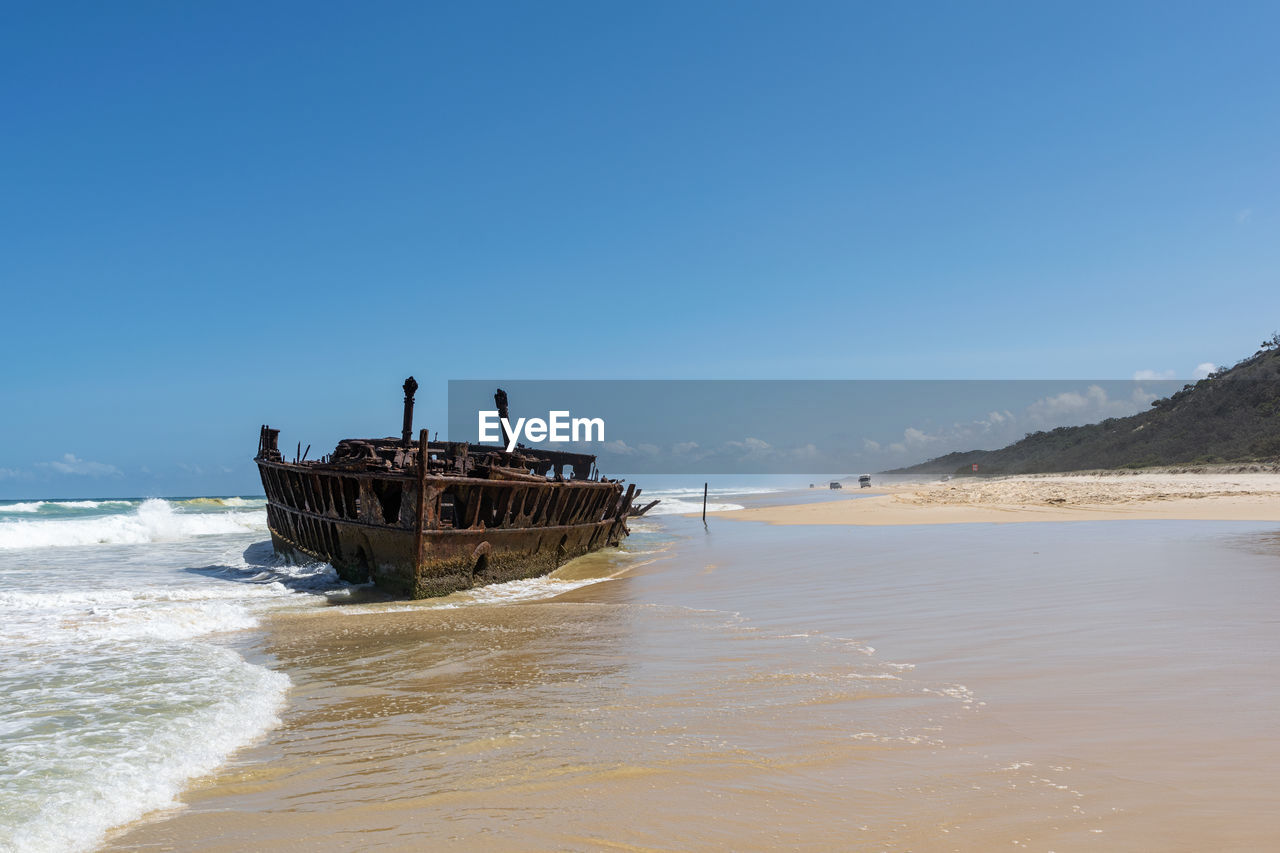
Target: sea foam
[[686, 500], [155, 520], [39, 506], [122, 679], [108, 755], [28, 506], [676, 506]]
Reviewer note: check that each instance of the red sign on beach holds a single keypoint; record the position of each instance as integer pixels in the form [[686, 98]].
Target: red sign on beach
[[975, 466]]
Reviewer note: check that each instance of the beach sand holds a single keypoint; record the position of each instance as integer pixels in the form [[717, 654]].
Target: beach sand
[[1088, 497], [1066, 687]]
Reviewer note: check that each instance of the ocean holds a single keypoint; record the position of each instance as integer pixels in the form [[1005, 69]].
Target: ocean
[[123, 631], [1050, 686]]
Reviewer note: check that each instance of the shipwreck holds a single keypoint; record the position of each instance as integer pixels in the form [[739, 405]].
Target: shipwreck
[[425, 518]]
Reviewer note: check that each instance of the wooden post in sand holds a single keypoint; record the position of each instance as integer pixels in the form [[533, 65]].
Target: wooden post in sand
[[704, 503]]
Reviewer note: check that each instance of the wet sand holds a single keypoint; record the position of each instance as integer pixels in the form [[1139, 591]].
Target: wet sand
[[1045, 687], [1097, 497]]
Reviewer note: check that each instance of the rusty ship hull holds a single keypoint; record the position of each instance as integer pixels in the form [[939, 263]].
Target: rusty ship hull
[[421, 519]]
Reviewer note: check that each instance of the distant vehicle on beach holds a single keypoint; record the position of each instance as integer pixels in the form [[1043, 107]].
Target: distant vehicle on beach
[[865, 481], [835, 484]]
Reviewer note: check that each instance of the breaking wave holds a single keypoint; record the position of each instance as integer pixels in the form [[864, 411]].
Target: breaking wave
[[39, 506], [216, 503], [690, 500], [680, 501], [676, 506], [137, 725], [154, 520], [31, 506], [716, 492], [122, 676]]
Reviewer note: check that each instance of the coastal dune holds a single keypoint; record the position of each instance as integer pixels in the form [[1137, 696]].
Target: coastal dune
[[1243, 496]]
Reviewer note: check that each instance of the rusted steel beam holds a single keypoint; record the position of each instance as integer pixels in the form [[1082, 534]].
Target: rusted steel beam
[[636, 513], [498, 472], [475, 500], [432, 501], [422, 500]]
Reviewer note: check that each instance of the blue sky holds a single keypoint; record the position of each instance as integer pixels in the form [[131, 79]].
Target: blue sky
[[219, 215]]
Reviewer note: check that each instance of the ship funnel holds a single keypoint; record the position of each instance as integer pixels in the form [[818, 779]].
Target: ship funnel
[[410, 388], [500, 400]]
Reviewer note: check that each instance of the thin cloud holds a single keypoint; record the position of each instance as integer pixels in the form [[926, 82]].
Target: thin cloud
[[1069, 404], [749, 448], [75, 466], [1203, 370], [1140, 375], [805, 453], [912, 436], [620, 447]]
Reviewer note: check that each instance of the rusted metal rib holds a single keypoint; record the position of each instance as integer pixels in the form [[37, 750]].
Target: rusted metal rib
[[422, 498]]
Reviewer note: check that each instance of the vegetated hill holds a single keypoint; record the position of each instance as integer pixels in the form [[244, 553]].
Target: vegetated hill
[[1232, 416]]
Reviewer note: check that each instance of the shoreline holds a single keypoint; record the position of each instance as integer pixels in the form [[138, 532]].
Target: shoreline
[[358, 673], [1109, 496], [689, 684]]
